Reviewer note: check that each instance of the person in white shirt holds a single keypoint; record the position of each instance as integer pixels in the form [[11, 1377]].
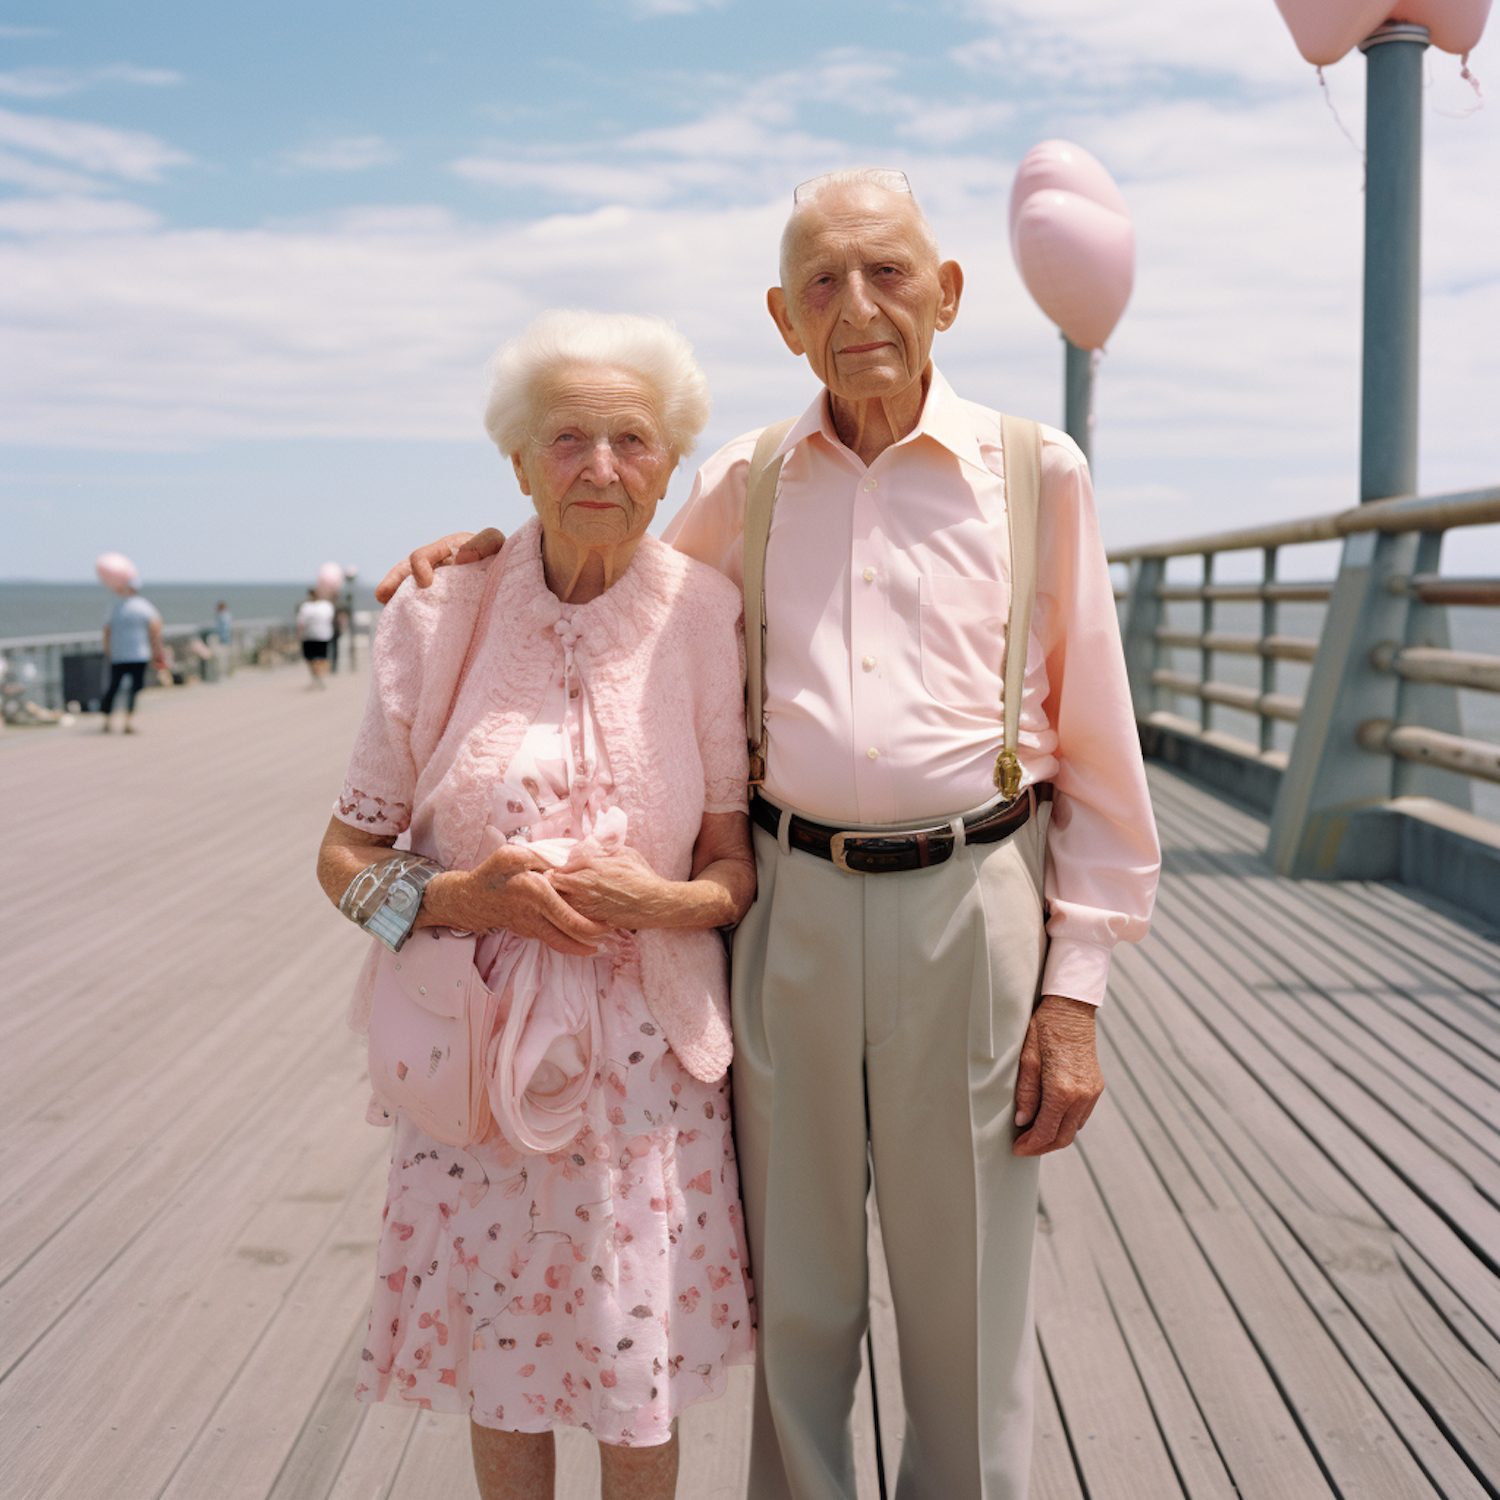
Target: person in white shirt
[[914, 987], [315, 631]]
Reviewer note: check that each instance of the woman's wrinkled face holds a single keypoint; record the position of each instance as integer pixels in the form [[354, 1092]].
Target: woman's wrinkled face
[[596, 463]]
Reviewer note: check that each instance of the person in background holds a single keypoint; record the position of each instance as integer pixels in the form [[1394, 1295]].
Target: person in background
[[315, 631], [223, 637], [340, 629], [132, 641]]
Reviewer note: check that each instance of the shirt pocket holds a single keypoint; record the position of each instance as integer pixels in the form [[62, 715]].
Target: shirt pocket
[[962, 626]]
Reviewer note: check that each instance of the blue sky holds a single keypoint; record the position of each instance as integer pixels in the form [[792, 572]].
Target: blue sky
[[252, 259]]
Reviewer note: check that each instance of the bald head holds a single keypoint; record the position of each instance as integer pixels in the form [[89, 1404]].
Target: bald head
[[862, 289], [852, 198]]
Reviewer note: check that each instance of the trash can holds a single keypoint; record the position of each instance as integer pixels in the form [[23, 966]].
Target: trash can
[[84, 678]]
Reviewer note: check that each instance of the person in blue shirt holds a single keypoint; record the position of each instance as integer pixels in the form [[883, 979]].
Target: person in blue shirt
[[132, 641]]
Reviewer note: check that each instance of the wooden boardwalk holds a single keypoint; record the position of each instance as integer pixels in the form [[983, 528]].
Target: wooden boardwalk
[[1269, 1272]]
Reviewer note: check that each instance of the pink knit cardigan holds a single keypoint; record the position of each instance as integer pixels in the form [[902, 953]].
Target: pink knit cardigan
[[662, 653]]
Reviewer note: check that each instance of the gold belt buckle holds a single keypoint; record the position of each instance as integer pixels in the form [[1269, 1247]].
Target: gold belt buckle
[[836, 853]]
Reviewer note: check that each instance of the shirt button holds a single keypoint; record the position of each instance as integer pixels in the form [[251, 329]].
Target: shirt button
[[869, 575], [868, 663], [873, 753], [869, 485]]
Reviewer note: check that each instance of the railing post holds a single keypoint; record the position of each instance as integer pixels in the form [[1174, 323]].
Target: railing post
[[1430, 704], [1205, 656], [1315, 826], [1143, 612], [1268, 620]]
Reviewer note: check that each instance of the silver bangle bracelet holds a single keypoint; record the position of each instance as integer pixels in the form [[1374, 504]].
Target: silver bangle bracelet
[[367, 901]]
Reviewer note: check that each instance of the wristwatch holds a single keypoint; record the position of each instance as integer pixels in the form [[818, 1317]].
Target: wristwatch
[[393, 920]]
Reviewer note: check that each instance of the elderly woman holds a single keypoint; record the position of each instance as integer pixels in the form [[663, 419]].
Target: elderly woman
[[582, 691]]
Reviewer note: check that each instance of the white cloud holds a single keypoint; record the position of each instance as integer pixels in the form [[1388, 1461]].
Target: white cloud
[[1229, 393], [345, 153], [24, 33], [50, 83], [36, 177], [74, 216], [650, 8], [572, 180], [129, 154]]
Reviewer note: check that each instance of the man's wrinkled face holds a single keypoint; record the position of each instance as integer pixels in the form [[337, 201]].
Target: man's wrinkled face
[[863, 292]]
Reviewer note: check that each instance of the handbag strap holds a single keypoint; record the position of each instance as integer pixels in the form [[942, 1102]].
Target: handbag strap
[[1021, 455], [760, 502], [477, 635]]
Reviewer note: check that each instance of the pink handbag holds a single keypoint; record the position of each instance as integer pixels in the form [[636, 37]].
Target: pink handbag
[[431, 1016], [431, 1019]]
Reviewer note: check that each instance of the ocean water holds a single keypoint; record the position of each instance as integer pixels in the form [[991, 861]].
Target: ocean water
[[52, 608]]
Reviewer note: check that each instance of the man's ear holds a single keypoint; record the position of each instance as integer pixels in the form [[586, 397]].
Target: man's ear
[[776, 305], [521, 479], [951, 280]]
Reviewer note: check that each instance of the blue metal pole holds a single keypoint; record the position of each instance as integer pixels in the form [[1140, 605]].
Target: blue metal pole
[[1393, 259], [1078, 395]]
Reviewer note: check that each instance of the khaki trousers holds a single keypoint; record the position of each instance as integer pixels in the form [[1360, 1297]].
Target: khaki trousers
[[890, 1010]]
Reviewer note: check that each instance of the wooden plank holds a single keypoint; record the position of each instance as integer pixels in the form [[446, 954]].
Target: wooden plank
[[1449, 1108], [1113, 1432], [1356, 1440], [437, 1463], [1356, 1014], [374, 1458], [173, 1316], [1257, 1438], [1465, 1014], [1409, 1358], [243, 1443], [1211, 985], [1076, 1213], [325, 1442], [1053, 1473]]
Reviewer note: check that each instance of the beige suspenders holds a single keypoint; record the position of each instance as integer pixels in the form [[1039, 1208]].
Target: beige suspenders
[[1021, 454], [1021, 448], [760, 501]]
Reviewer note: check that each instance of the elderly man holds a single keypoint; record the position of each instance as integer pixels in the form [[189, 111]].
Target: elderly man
[[886, 981]]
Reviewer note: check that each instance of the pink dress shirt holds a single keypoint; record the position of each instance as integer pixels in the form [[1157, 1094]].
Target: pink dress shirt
[[887, 593]]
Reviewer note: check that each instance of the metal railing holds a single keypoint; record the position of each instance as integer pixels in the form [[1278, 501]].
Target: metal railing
[[1380, 712], [35, 662]]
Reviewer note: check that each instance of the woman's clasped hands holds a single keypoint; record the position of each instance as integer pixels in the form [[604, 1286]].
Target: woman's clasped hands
[[571, 909]]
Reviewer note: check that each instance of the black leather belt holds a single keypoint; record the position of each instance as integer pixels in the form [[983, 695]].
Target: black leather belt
[[901, 849]]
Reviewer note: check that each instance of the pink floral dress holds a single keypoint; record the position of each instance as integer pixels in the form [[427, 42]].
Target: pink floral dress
[[603, 1285]]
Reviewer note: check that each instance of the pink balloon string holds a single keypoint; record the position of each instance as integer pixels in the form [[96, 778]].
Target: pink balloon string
[[1338, 119], [1469, 78]]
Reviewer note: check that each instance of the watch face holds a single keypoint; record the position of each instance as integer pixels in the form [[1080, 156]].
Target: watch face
[[402, 898]]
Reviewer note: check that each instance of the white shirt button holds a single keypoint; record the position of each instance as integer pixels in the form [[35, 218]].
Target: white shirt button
[[873, 753], [868, 663], [869, 485], [869, 575]]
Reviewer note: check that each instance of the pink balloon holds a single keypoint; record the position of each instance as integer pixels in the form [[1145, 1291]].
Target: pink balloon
[[1061, 164], [1456, 25], [330, 581], [1324, 30], [116, 571], [1071, 236]]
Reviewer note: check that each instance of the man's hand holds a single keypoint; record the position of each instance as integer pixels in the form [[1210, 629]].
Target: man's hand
[[509, 891], [1059, 1079], [456, 547]]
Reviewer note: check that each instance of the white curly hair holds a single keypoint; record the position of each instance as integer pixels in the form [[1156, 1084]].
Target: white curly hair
[[650, 348]]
